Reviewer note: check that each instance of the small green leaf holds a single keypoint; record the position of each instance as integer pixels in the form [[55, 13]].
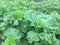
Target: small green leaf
[[15, 22]]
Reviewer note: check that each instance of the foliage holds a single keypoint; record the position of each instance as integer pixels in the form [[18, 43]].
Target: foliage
[[29, 22]]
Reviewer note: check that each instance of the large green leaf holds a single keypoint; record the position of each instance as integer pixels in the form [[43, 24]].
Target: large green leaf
[[32, 36]]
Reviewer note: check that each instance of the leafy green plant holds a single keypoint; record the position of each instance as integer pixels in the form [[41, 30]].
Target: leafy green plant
[[29, 22]]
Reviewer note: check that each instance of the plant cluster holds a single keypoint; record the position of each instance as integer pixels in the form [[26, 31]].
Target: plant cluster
[[29, 22]]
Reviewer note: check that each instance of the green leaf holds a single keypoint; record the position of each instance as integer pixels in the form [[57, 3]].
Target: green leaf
[[46, 37], [12, 35], [55, 15], [55, 41], [15, 22], [32, 36], [23, 43]]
